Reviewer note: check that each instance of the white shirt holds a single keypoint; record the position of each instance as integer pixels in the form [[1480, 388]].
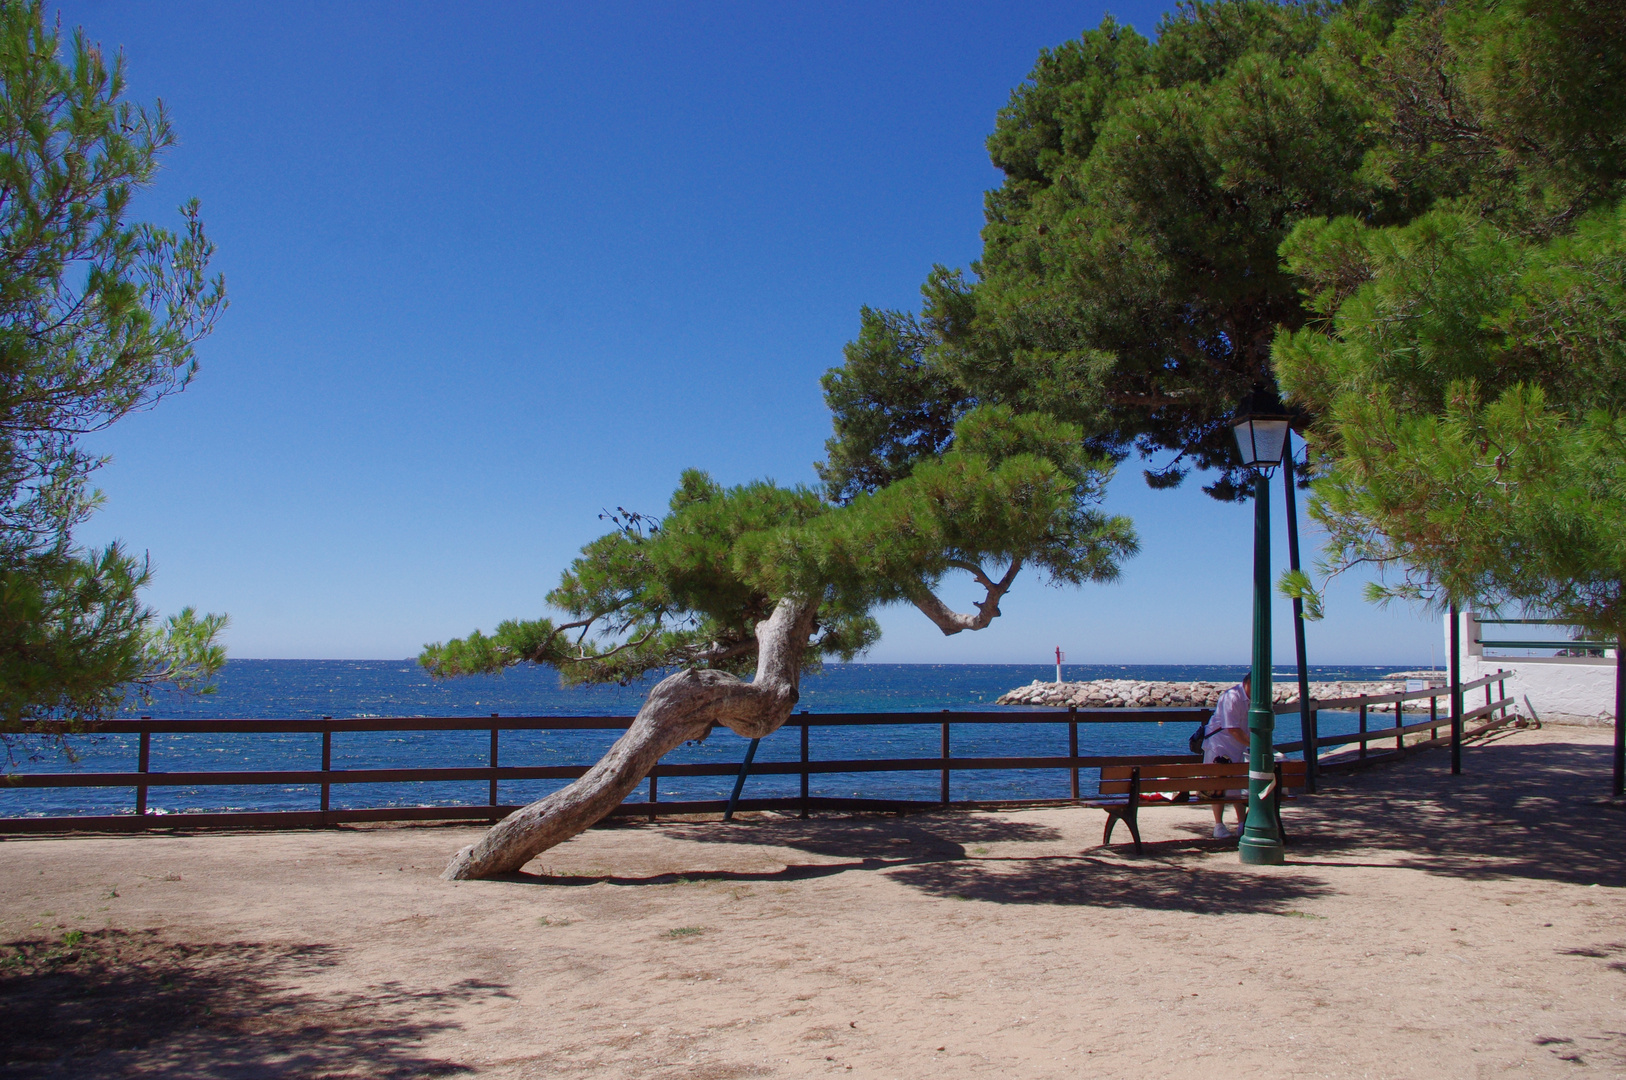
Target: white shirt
[[1227, 731], [1230, 711]]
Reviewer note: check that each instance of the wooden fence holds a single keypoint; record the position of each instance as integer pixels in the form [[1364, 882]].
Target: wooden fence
[[144, 779], [1493, 714]]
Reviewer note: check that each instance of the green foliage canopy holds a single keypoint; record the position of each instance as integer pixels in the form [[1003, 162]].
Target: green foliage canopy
[[1471, 391], [1467, 366], [98, 317], [1131, 278], [688, 589]]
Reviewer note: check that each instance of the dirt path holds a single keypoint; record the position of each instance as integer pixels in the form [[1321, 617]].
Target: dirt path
[[1425, 926]]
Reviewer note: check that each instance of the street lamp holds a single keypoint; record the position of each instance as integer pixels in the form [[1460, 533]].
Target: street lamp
[[1260, 425]]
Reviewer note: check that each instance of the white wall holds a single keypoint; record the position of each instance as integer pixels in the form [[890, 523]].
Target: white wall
[[1560, 689]]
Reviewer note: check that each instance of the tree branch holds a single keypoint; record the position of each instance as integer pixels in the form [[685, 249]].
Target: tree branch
[[624, 646], [952, 622], [717, 651]]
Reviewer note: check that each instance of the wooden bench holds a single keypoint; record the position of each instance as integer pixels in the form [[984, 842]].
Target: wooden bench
[[1123, 788]]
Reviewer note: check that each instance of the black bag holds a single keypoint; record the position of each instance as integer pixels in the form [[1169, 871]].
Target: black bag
[[1196, 740]]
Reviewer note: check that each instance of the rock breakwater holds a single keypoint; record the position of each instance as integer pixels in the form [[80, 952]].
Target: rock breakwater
[[1137, 694]]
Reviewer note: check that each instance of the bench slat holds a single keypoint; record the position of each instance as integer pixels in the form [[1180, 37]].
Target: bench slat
[[1194, 768], [1191, 768], [1229, 783], [1104, 801], [1116, 780]]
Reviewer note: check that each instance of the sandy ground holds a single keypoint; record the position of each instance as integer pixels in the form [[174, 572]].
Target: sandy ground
[[1425, 926]]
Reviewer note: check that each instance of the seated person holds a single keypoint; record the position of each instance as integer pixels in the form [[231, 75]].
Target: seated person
[[1226, 739]]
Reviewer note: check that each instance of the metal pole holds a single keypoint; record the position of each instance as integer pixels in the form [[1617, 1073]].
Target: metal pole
[[1312, 764], [739, 781], [1456, 692], [1261, 843]]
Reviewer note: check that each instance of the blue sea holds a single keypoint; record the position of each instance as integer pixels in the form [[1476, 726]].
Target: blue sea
[[301, 689]]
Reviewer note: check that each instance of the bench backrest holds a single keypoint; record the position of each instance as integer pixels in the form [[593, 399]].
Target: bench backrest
[[1191, 776]]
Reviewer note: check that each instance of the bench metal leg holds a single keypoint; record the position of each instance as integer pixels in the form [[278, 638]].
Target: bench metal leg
[[1127, 812]]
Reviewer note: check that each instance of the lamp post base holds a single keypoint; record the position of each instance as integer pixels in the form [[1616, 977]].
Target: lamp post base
[[1260, 850]]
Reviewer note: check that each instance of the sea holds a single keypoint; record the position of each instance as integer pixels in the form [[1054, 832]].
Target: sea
[[300, 689]]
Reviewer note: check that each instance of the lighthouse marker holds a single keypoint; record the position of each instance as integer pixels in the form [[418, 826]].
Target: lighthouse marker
[[1060, 656]]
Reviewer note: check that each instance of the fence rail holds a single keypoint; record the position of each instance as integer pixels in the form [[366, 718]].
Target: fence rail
[[143, 779]]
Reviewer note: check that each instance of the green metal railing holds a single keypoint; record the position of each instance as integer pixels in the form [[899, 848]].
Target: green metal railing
[[1501, 643]]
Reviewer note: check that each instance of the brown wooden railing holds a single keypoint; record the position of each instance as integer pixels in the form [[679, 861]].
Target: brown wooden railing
[[1494, 713], [143, 779]]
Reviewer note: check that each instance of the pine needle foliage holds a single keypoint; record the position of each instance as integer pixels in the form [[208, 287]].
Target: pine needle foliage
[[1131, 278], [1467, 367], [99, 316], [688, 589]]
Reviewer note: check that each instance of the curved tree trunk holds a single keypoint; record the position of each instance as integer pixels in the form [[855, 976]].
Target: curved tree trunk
[[681, 708]]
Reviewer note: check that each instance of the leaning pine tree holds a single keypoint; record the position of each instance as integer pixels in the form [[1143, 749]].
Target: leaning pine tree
[[764, 581]]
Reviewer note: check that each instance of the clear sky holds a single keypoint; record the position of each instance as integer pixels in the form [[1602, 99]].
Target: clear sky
[[496, 268]]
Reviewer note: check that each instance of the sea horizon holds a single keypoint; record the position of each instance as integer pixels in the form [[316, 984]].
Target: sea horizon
[[248, 688]]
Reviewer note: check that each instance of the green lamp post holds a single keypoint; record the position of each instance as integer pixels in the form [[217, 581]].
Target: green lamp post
[[1260, 425]]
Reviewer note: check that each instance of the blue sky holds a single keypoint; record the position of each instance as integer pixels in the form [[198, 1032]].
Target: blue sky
[[496, 268]]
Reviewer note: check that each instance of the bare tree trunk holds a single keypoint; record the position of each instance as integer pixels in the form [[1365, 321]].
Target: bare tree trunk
[[682, 707]]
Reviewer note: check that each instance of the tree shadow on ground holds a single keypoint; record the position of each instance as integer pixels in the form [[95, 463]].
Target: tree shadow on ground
[[930, 853], [1102, 882], [113, 1004], [1533, 810], [877, 836], [1521, 809], [860, 842]]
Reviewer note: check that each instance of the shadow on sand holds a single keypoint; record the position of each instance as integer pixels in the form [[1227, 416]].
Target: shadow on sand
[[1533, 810], [934, 853], [111, 1003], [1521, 809]]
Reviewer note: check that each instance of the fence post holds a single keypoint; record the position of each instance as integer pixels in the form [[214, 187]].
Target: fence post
[[1433, 714], [143, 757], [805, 726], [945, 791], [1456, 692], [327, 763], [1072, 744], [1362, 753], [1400, 722], [654, 794], [1312, 770], [494, 763]]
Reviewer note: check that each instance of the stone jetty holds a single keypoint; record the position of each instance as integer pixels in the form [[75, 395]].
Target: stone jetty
[[1136, 694]]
